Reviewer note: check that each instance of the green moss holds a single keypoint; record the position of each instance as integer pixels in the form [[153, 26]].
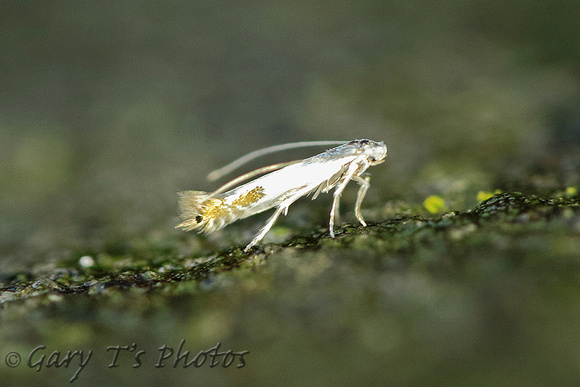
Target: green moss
[[135, 268]]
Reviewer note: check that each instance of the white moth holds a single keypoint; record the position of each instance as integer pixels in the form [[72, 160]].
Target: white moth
[[286, 183]]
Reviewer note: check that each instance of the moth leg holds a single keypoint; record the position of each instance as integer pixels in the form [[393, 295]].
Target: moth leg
[[336, 202], [333, 213], [267, 227], [364, 186]]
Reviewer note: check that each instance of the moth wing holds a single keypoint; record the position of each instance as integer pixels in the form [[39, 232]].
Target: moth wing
[[190, 206], [328, 184]]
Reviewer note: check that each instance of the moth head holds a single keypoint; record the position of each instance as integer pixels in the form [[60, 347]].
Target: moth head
[[375, 151]]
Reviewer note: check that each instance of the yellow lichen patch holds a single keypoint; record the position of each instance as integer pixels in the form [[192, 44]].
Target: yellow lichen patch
[[249, 197], [435, 204], [484, 195]]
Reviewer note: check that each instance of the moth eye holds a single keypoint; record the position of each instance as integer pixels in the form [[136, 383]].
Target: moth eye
[[199, 219]]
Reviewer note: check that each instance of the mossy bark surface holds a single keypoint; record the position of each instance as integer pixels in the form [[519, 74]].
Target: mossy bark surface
[[482, 285]]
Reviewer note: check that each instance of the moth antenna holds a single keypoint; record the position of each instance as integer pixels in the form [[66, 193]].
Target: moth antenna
[[218, 173]]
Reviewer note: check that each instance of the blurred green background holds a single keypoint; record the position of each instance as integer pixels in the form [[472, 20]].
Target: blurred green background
[[107, 109]]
